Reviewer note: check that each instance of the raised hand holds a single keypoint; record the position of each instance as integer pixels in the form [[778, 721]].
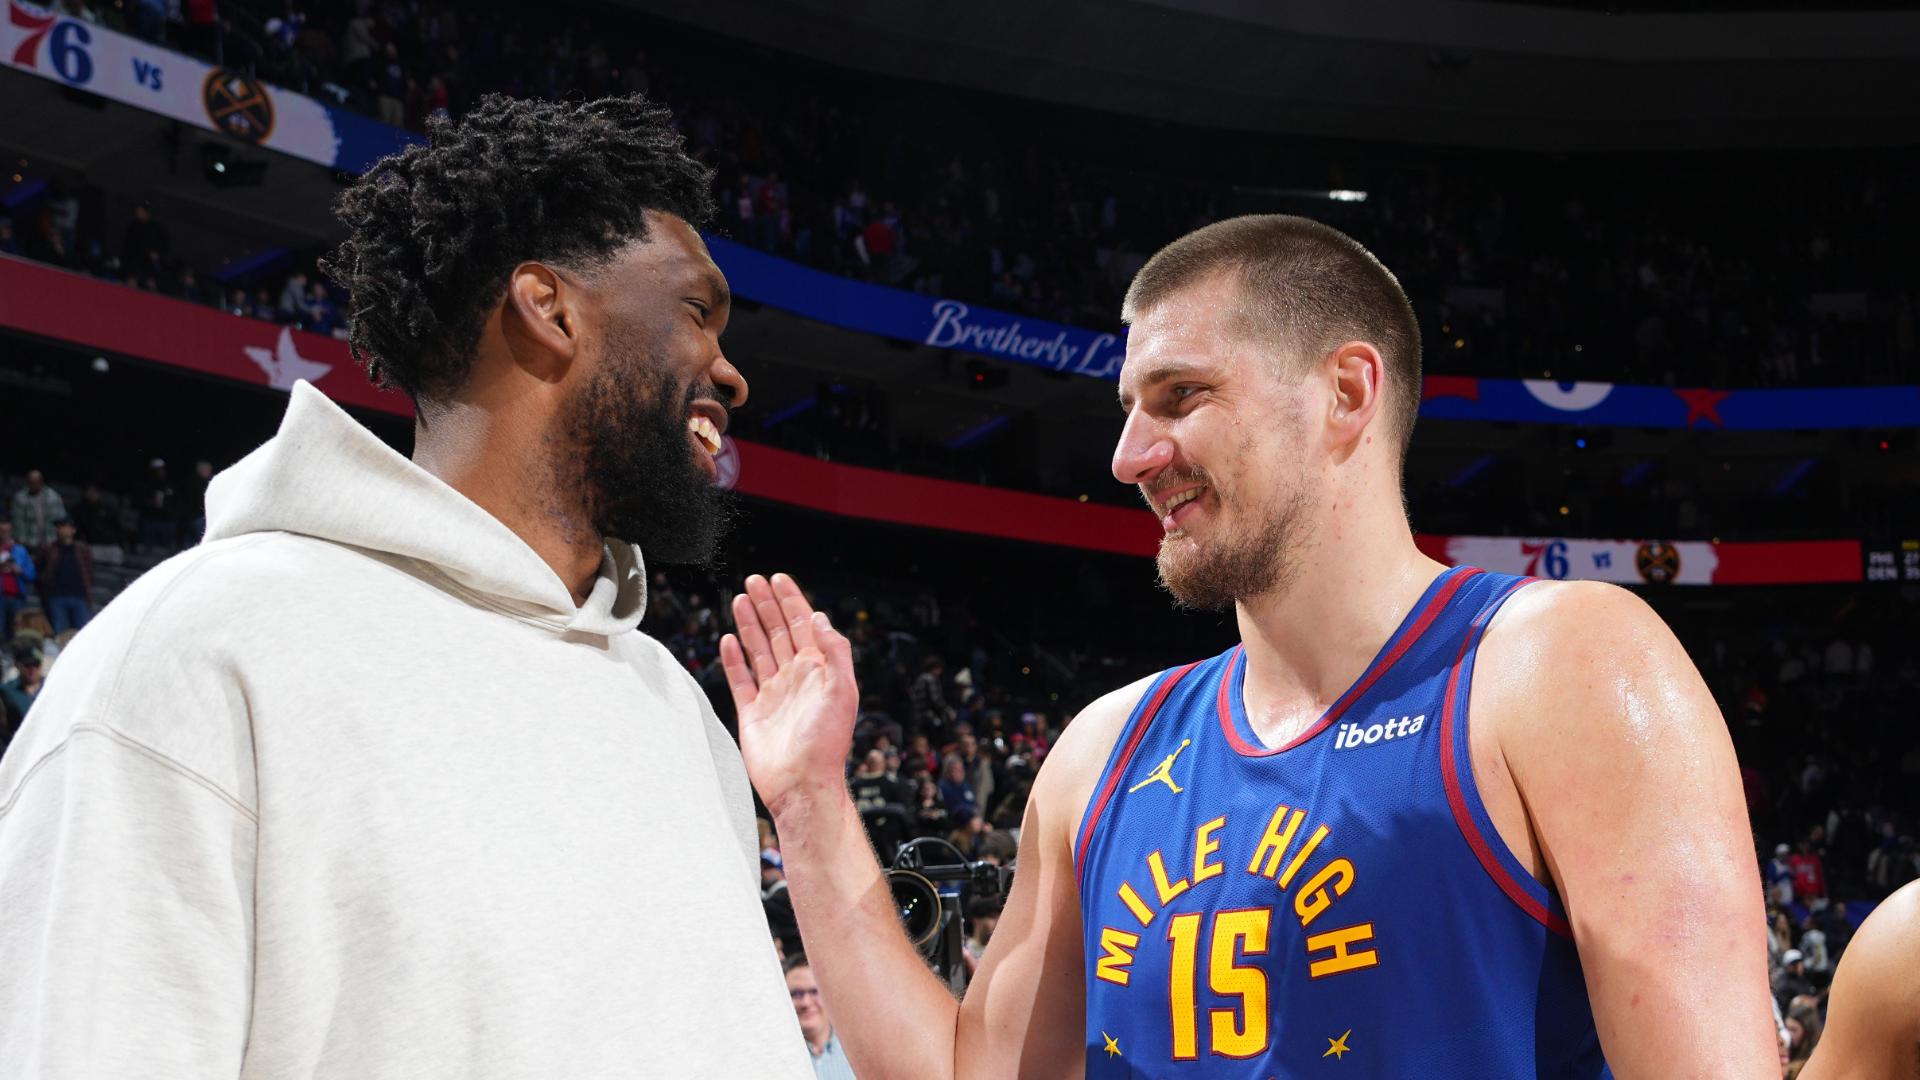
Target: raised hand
[[791, 675]]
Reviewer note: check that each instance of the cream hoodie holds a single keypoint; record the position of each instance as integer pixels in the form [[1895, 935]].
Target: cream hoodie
[[354, 790]]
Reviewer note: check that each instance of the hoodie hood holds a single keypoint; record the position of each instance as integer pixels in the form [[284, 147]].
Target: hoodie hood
[[325, 476]]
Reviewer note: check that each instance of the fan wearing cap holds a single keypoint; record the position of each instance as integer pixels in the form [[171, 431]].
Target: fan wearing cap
[[1792, 980]]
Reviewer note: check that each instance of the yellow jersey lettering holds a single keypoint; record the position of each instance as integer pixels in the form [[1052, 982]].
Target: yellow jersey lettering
[[1240, 1032], [1274, 842], [1203, 846], [1343, 958], [1116, 964], [1300, 859], [1161, 886], [1136, 905], [1313, 898]]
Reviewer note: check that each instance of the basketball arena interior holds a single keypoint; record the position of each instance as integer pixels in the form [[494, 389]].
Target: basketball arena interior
[[1660, 254]]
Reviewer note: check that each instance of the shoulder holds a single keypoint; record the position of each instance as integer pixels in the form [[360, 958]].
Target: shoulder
[[1883, 955], [1074, 764], [1873, 1016], [1571, 640], [1575, 667], [163, 665]]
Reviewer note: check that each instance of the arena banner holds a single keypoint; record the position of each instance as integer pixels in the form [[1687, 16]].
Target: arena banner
[[972, 328], [910, 316], [43, 42], [1654, 562], [74, 309]]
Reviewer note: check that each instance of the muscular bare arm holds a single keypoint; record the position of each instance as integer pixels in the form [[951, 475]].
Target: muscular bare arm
[[792, 679], [1607, 767], [1873, 1013]]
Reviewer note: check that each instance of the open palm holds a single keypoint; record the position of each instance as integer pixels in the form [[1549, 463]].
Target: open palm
[[791, 675]]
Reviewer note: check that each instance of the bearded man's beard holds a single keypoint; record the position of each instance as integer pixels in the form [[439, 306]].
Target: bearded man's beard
[[636, 470], [1255, 559]]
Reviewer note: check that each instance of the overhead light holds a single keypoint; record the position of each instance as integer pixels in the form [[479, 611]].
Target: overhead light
[[1344, 195]]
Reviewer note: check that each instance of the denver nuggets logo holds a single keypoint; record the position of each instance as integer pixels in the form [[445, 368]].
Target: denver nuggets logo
[[237, 105], [1658, 562], [1163, 772]]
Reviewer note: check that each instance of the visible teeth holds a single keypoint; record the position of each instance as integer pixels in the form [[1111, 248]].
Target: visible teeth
[[704, 430], [1183, 498]]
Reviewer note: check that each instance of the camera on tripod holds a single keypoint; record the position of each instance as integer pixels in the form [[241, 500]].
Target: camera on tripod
[[931, 898]]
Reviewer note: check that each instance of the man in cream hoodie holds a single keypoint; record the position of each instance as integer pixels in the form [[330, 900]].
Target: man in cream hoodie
[[381, 780]]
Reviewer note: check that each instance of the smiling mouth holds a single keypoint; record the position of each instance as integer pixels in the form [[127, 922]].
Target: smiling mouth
[[1171, 518], [706, 433]]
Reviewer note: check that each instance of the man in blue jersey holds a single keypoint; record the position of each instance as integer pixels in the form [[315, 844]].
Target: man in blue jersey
[[1421, 822]]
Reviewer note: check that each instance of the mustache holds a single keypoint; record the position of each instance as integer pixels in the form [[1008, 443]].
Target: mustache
[[705, 390], [1170, 479]]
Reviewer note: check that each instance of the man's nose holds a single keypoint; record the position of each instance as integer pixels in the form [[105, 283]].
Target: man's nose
[[1144, 449], [728, 382]]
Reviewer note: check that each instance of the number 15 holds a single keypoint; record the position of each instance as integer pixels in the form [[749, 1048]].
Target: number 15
[[1235, 933]]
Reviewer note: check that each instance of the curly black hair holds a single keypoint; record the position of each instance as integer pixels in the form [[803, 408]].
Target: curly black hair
[[436, 229]]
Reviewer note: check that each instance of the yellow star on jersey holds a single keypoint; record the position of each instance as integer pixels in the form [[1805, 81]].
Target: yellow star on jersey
[[1113, 1045], [1337, 1049]]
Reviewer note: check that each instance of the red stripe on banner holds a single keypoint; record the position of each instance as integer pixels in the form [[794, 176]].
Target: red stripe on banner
[[878, 495], [74, 308], [1787, 562]]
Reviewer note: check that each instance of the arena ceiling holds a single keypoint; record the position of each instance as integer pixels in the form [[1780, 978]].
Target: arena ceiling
[[1455, 72]]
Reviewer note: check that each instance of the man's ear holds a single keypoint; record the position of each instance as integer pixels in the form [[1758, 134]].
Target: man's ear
[[1357, 375], [540, 316]]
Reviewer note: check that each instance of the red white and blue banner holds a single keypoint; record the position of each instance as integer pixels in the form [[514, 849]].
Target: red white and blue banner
[[86, 56], [43, 302]]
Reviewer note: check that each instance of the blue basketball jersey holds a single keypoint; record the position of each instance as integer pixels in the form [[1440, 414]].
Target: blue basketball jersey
[[1339, 906]]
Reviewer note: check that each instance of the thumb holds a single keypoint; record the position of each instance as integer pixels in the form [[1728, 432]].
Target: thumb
[[838, 650]]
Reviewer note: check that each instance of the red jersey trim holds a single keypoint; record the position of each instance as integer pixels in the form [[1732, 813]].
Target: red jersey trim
[[1456, 795], [1119, 768], [1381, 664]]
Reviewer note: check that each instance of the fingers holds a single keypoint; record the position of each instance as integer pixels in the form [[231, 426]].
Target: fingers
[[834, 644], [772, 621], [798, 613], [754, 638], [739, 676]]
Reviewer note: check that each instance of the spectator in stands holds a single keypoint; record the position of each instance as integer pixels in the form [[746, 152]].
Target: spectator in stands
[[982, 915], [16, 579], [391, 87], [17, 694], [322, 314], [978, 767], [194, 503], [150, 20], [66, 580], [931, 713], [146, 246], [956, 791], [1803, 1030], [930, 817], [1792, 981], [292, 306], [1779, 875], [159, 510], [94, 520], [1809, 873], [35, 508], [816, 1025]]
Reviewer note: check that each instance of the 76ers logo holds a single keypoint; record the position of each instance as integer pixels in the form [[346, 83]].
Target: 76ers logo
[[66, 43]]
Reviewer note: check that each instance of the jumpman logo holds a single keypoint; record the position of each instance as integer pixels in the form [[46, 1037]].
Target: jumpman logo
[[1162, 773]]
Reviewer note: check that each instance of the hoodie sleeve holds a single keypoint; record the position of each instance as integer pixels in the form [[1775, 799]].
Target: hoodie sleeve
[[127, 847], [126, 909], [734, 788]]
